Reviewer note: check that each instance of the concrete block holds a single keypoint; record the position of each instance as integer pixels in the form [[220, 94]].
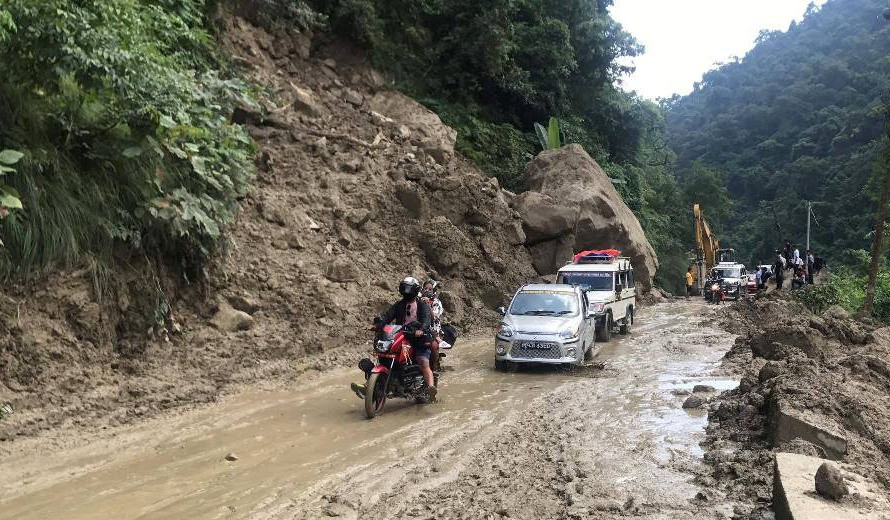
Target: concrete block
[[795, 497], [787, 424]]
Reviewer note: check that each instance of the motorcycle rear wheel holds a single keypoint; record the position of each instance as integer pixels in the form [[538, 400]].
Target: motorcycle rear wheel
[[375, 396]]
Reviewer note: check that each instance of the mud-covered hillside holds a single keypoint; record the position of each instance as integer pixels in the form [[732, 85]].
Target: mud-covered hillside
[[357, 187]]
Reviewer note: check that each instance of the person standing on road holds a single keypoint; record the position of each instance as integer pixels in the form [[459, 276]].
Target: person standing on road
[[758, 278], [690, 282], [811, 267], [779, 270], [788, 252], [765, 275]]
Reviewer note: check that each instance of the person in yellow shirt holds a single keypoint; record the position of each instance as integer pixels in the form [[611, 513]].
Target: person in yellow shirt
[[690, 282]]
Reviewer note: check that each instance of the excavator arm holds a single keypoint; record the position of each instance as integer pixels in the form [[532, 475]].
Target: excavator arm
[[706, 245]]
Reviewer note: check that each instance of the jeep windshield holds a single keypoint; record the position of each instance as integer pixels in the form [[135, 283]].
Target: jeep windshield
[[544, 303], [588, 280], [726, 272]]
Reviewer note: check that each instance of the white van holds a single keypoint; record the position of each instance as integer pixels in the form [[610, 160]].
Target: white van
[[608, 282]]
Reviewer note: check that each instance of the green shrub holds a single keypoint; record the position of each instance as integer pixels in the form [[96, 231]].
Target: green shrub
[[121, 110]]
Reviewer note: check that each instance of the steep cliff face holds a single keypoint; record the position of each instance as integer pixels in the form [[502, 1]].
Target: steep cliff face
[[572, 206]]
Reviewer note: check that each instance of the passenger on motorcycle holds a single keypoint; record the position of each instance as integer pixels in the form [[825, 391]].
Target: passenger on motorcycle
[[412, 309]]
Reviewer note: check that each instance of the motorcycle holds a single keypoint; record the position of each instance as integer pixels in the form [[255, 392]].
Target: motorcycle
[[714, 290], [394, 374]]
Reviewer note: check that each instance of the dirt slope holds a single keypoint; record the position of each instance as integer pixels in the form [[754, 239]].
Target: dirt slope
[[347, 202]]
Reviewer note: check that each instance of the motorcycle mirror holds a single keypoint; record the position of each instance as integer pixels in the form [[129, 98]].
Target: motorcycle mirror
[[502, 310]]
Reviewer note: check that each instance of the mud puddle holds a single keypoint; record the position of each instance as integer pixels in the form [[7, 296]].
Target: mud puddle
[[306, 451]]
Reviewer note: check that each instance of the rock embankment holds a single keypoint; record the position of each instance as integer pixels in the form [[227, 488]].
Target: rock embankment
[[812, 386]]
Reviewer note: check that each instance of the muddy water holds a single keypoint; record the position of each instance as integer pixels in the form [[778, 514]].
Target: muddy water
[[306, 451]]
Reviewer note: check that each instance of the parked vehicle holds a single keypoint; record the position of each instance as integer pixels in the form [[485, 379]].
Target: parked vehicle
[[394, 374], [752, 283], [607, 280], [546, 323]]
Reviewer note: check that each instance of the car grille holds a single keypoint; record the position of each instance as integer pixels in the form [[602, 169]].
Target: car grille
[[535, 350]]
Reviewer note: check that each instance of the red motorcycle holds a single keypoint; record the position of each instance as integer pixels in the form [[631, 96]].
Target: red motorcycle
[[394, 374]]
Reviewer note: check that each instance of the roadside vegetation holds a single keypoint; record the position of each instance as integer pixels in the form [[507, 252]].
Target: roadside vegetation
[[120, 114], [846, 285]]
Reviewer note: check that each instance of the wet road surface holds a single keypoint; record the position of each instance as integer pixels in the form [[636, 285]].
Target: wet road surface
[[605, 440]]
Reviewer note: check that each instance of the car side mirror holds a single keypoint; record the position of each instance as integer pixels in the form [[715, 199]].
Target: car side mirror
[[502, 310]]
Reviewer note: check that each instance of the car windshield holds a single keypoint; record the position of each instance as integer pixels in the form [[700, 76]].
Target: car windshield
[[544, 303], [725, 272], [588, 280]]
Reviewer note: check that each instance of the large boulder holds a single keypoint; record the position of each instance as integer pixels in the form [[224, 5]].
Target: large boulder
[[543, 217], [575, 183], [436, 138]]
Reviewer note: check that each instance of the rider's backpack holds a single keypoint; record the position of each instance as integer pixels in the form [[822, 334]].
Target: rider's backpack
[[449, 333]]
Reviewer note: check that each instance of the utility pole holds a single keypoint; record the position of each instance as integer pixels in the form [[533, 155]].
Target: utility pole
[[809, 214]]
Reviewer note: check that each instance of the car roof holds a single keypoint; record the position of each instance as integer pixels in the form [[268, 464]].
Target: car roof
[[555, 287]]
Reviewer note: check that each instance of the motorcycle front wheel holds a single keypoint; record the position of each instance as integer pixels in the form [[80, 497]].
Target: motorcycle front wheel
[[375, 396]]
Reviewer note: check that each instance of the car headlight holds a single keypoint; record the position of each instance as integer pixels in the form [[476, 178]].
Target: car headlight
[[505, 331], [597, 307], [569, 334], [501, 350]]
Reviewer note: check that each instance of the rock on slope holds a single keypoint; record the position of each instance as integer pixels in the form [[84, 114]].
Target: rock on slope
[[573, 206]]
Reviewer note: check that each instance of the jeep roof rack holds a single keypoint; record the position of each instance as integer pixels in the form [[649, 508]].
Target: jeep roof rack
[[599, 256]]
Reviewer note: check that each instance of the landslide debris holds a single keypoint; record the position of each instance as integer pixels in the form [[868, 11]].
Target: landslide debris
[[572, 206], [816, 385], [358, 186]]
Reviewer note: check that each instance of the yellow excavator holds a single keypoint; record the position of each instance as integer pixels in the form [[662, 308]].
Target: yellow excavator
[[708, 251]]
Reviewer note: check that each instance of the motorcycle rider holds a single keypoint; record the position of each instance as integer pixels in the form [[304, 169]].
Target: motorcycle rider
[[411, 310]]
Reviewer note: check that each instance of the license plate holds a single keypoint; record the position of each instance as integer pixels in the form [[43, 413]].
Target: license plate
[[537, 345]]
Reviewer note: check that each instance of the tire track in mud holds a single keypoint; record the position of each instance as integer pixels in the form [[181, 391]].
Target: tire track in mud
[[603, 444]]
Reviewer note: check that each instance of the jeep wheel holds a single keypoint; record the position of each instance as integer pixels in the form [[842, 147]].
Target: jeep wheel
[[625, 325], [604, 333], [588, 354]]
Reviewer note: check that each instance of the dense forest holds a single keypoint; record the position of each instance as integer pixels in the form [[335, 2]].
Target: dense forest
[[798, 119]]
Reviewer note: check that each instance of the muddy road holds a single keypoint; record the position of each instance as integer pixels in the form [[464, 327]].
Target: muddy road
[[609, 440]]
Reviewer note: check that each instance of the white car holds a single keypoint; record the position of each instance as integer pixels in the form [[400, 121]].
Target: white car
[[545, 323], [608, 282]]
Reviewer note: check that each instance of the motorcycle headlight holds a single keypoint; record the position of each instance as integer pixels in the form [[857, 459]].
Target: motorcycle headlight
[[715, 287], [382, 345], [505, 331]]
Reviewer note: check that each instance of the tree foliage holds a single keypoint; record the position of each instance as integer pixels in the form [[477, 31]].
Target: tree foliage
[[121, 111], [796, 120]]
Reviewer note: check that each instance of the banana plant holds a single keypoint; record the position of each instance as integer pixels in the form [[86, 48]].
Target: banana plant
[[550, 137]]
